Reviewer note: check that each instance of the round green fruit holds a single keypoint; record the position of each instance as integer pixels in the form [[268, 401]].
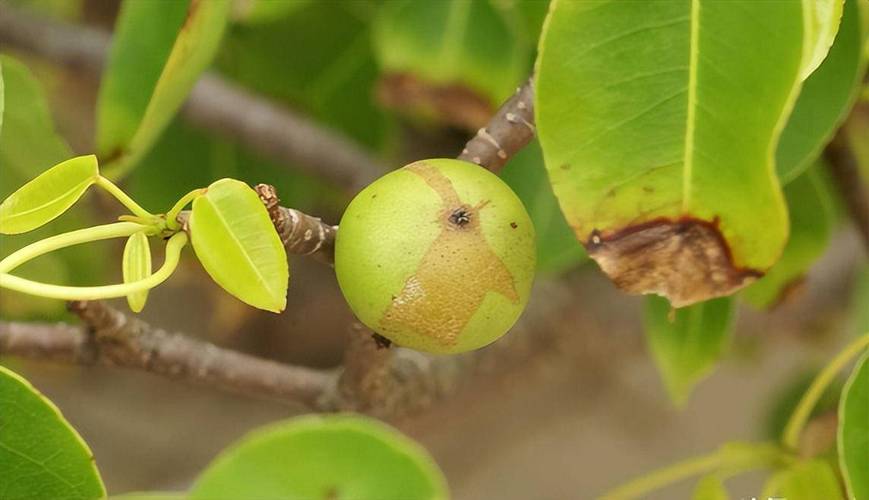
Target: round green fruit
[[436, 256]]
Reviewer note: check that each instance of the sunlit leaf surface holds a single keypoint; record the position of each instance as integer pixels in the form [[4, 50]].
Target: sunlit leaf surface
[[854, 430], [323, 457], [237, 244]]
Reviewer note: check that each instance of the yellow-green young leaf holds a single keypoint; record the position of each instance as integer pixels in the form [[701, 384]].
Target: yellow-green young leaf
[[811, 480], [659, 122], [449, 60], [341, 456], [47, 196], [826, 97], [142, 29], [41, 455], [137, 266], [29, 145], [686, 343], [237, 244], [710, 488], [853, 441], [810, 221], [821, 25]]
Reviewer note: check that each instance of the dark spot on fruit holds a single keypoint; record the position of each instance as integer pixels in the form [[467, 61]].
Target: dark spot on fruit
[[460, 216], [648, 189], [514, 225], [565, 166], [373, 196], [686, 260]]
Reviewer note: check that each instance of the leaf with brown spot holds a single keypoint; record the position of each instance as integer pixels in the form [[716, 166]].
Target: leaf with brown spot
[[667, 116]]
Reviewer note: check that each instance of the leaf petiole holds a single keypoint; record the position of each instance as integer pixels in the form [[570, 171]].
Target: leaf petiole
[[173, 251], [794, 428], [172, 215], [123, 197], [96, 233], [723, 459]]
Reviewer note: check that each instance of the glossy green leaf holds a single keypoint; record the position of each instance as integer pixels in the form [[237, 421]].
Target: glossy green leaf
[[810, 480], [323, 457], [469, 50], [264, 11], [710, 488], [658, 122], [825, 99], [29, 146], [41, 455], [853, 442], [687, 343], [811, 221], [332, 80], [160, 50], [237, 244], [557, 248], [136, 265], [47, 196]]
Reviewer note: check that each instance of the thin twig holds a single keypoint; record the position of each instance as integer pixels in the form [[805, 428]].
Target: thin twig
[[214, 104], [115, 339], [845, 171], [510, 130]]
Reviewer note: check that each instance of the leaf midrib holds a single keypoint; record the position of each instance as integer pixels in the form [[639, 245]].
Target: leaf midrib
[[691, 117]]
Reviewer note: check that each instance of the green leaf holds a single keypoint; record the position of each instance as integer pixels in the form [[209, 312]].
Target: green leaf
[[160, 50], [822, 24], [41, 455], [811, 221], [557, 248], [686, 343], [784, 398], [853, 439], [466, 57], [332, 80], [809, 480], [341, 456], [264, 11], [710, 488], [658, 122], [29, 145], [237, 244], [825, 99], [136, 266], [47, 196]]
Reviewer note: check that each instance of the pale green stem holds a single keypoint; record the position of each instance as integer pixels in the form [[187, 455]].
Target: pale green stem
[[719, 460], [96, 233], [173, 252], [795, 425], [179, 206], [123, 197]]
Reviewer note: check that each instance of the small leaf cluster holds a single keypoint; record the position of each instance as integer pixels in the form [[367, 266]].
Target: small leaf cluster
[[229, 227]]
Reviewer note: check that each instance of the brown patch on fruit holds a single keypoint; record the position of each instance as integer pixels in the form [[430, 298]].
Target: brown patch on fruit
[[453, 104], [686, 260], [455, 274]]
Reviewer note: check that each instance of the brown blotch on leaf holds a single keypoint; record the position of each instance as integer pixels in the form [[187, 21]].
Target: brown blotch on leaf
[[454, 275], [686, 260], [453, 104]]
